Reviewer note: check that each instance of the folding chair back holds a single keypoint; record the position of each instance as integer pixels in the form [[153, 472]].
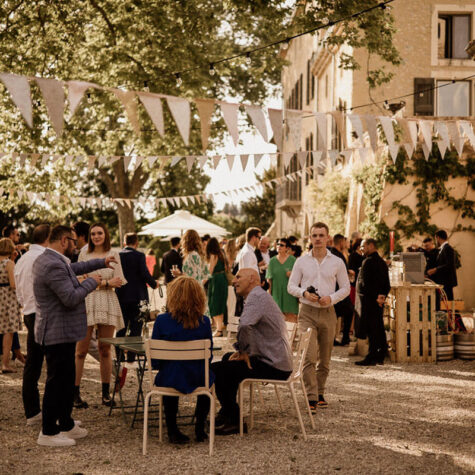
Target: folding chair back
[[291, 331], [301, 353], [178, 350]]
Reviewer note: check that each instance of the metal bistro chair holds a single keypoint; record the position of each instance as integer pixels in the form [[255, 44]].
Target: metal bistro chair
[[173, 351], [296, 376]]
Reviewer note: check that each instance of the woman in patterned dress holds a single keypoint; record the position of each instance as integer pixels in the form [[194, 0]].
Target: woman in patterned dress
[[103, 311], [10, 315], [194, 264]]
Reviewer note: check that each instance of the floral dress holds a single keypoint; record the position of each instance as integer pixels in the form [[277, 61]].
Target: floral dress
[[194, 266], [102, 305], [10, 314]]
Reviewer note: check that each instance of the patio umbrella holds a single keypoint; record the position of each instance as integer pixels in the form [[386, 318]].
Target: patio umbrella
[[177, 223]]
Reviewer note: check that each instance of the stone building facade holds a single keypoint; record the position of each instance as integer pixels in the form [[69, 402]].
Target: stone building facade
[[431, 37]]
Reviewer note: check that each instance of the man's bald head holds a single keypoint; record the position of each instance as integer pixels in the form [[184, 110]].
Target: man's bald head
[[246, 279]]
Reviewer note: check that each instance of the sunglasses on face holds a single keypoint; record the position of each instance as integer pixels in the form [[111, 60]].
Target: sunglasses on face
[[281, 244]]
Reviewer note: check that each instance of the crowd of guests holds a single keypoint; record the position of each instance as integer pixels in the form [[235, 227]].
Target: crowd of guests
[[73, 289]]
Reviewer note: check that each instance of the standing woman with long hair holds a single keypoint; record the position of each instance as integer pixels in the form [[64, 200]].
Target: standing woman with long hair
[[217, 285], [10, 315], [194, 264], [230, 252], [103, 311]]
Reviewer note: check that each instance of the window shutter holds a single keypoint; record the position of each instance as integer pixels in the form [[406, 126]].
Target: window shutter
[[423, 98]]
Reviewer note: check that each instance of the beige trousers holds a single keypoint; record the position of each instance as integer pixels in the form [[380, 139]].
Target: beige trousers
[[323, 322]]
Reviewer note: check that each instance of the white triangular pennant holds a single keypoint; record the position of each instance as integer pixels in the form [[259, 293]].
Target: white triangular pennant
[[317, 155], [425, 127], [426, 150], [258, 119], [333, 155], [151, 161], [53, 94], [459, 146], [19, 89], [138, 162], [287, 156], [409, 149], [181, 112], [127, 98], [276, 119], [216, 160], [322, 126], [154, 108], [443, 131], [357, 126], [339, 119], [372, 128], [468, 131], [347, 154], [294, 123], [302, 157], [393, 151], [189, 162], [257, 159], [244, 160], [76, 90], [202, 160], [413, 131], [205, 111], [388, 129], [230, 160], [442, 144], [175, 160], [230, 115]]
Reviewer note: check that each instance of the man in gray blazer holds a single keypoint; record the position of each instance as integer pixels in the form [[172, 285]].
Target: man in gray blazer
[[60, 322]]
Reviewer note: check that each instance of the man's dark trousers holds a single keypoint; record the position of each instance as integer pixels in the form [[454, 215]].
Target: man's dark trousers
[[59, 388], [32, 370], [373, 316], [130, 313], [229, 375]]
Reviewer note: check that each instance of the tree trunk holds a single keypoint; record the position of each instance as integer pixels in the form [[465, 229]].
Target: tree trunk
[[126, 220]]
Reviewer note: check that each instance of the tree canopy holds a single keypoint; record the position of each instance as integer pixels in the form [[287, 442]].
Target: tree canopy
[[140, 45]]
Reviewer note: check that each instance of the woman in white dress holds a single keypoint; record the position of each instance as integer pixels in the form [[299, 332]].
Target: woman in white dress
[[103, 311]]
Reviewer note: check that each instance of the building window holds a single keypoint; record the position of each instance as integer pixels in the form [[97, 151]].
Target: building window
[[300, 96], [313, 86], [326, 86], [453, 32], [453, 98], [308, 82]]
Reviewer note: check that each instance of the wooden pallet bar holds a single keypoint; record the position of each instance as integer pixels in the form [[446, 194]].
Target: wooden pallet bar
[[412, 323]]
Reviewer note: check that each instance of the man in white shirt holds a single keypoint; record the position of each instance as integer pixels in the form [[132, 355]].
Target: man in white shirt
[[35, 355], [247, 258], [313, 280]]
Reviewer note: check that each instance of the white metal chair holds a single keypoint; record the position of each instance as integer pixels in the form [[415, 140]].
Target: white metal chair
[[232, 328], [173, 351], [296, 376], [292, 332]]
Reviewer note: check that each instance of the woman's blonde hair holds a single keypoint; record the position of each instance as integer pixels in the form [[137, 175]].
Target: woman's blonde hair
[[186, 301], [6, 247], [190, 242]]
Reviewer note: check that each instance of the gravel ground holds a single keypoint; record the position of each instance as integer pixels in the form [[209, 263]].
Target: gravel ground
[[385, 419]]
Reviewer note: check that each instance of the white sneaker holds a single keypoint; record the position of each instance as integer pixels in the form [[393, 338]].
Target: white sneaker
[[58, 440], [31, 421], [75, 433]]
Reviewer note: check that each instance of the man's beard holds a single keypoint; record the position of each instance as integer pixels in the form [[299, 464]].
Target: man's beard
[[69, 252]]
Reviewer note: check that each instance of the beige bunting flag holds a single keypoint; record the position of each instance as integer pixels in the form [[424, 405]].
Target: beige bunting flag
[[19, 89], [372, 128], [230, 160], [216, 160], [322, 126], [205, 111], [230, 115], [189, 162], [294, 123], [76, 91], [339, 119], [257, 159], [181, 112], [244, 160], [259, 120], [357, 126], [276, 119], [127, 98], [153, 106], [53, 94]]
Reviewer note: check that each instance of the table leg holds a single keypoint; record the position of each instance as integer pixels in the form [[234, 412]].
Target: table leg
[[140, 375], [117, 384]]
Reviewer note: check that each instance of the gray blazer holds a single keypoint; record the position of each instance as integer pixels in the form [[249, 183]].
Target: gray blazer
[[61, 309]]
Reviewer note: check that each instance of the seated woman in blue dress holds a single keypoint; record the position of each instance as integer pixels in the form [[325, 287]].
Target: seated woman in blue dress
[[184, 321]]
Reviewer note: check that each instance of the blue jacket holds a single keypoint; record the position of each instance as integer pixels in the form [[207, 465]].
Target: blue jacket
[[184, 376], [60, 298], [137, 276]]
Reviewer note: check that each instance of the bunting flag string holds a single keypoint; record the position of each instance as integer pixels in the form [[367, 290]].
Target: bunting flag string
[[268, 122]]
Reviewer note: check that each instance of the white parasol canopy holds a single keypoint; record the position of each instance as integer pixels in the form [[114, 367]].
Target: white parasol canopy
[[178, 222]]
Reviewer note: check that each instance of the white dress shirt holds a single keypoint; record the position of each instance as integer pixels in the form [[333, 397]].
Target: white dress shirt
[[323, 276], [24, 278], [247, 258], [266, 257]]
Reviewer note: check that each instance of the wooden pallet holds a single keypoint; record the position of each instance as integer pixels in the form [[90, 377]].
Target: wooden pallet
[[412, 323]]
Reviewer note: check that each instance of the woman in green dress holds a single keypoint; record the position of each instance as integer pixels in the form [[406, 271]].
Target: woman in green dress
[[217, 285], [278, 273]]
